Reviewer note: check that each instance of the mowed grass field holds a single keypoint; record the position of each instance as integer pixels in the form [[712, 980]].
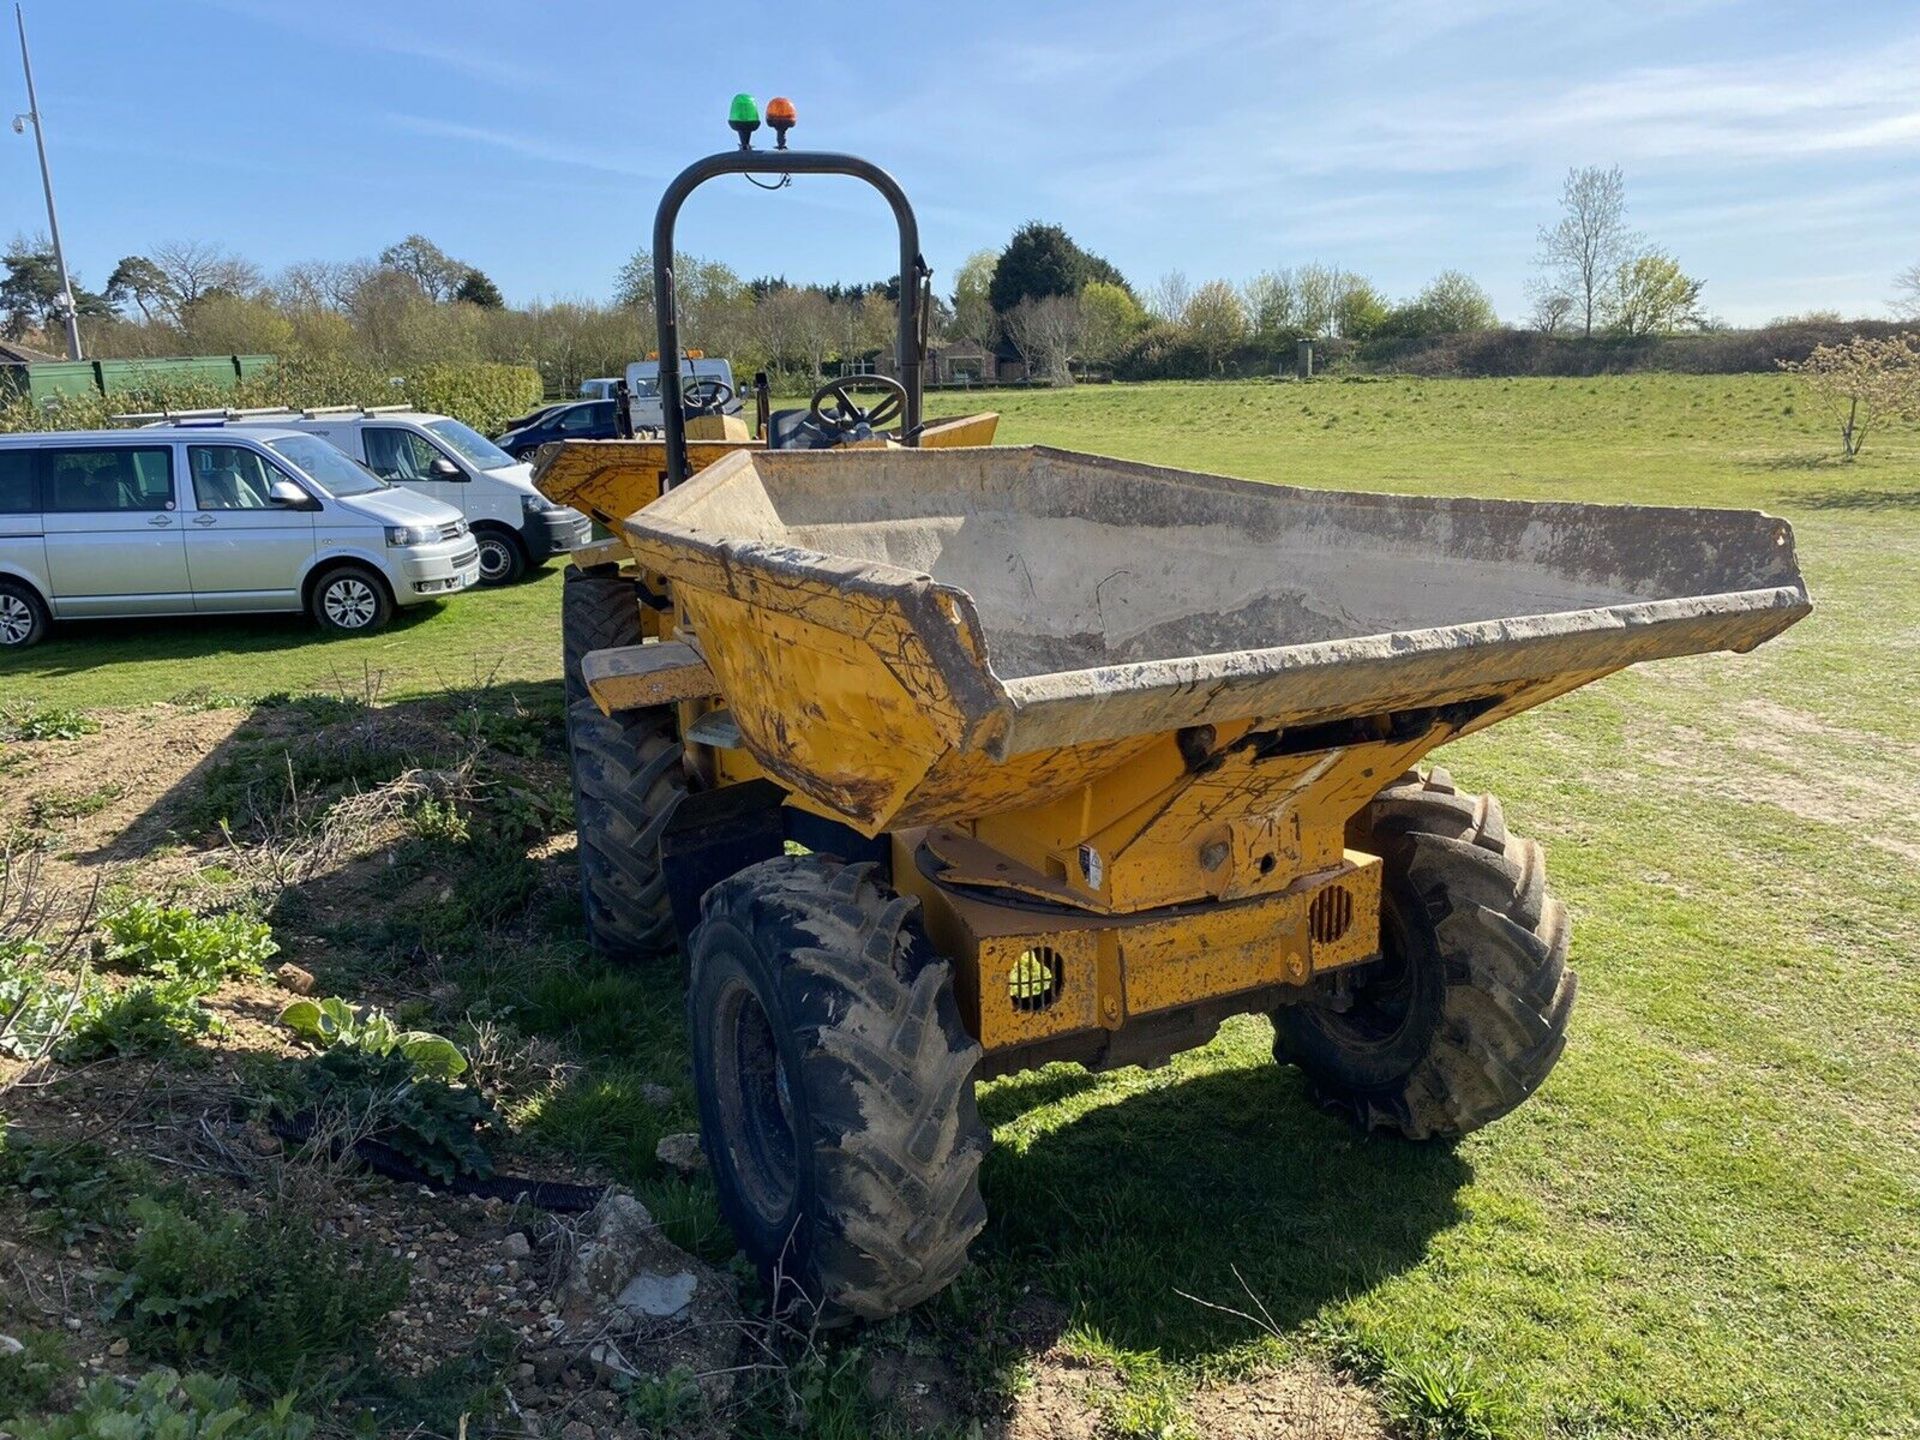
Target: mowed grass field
[[1708, 1221]]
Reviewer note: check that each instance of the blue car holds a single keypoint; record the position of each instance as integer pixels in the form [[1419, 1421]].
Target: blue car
[[583, 420]]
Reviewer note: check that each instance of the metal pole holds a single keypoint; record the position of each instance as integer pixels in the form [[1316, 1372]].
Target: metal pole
[[71, 314]]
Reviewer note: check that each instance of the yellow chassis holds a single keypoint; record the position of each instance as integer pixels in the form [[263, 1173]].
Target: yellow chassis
[[1204, 876]]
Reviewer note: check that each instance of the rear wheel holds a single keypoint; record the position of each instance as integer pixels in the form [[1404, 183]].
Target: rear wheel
[[1466, 1010], [350, 600], [627, 782], [598, 611], [502, 559], [23, 616], [835, 1083]]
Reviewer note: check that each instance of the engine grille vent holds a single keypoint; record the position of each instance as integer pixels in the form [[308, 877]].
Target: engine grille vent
[[1331, 914]]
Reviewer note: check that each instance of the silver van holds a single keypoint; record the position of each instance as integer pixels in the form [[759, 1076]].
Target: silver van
[[514, 525], [211, 520]]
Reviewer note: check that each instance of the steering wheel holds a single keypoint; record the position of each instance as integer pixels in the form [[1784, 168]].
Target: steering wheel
[[706, 395], [845, 415]]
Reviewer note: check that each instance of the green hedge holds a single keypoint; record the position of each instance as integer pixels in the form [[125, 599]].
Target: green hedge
[[485, 396]]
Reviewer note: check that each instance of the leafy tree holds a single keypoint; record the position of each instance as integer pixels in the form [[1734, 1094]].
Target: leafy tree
[[973, 317], [1452, 304], [223, 324], [1653, 296], [1584, 251], [437, 273], [1318, 292], [1272, 304], [478, 289], [1864, 382], [1217, 322], [30, 296], [1042, 260], [1109, 319], [713, 305], [136, 280], [1359, 310]]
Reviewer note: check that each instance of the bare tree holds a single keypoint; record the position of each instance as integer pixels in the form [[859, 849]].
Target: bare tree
[[1906, 293], [1047, 333], [816, 327], [1169, 297], [1551, 308], [322, 284], [1586, 249], [193, 268]]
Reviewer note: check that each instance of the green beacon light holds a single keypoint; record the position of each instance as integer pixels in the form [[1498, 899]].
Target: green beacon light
[[744, 116]]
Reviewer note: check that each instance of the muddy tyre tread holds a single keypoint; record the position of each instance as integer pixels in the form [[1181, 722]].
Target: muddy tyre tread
[[628, 780], [1503, 943], [895, 1142]]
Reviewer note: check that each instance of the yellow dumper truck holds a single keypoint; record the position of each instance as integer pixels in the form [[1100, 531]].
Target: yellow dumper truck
[[939, 762]]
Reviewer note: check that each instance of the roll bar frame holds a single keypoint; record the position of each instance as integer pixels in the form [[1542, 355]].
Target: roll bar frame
[[913, 272]]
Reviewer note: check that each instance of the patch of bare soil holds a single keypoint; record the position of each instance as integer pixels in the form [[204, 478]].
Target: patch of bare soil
[[1300, 1402], [1069, 1397], [106, 800]]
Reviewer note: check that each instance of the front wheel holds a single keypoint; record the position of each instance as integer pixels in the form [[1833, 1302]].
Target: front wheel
[[835, 1083], [502, 561], [1466, 1010], [351, 600]]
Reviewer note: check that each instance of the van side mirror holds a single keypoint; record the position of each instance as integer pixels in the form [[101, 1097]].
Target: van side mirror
[[289, 496], [444, 469]]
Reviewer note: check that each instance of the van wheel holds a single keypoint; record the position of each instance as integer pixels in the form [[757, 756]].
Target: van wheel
[[502, 561], [23, 616], [351, 600]]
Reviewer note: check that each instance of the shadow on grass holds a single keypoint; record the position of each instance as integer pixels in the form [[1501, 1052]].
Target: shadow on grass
[[1859, 498], [1799, 460], [1173, 1189], [79, 646]]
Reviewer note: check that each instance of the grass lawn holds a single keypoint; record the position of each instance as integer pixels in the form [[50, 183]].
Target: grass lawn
[[1707, 1223]]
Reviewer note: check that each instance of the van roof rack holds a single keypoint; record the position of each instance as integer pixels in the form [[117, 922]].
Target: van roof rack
[[316, 412], [216, 413]]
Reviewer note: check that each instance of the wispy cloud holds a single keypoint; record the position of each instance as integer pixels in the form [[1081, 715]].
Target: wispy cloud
[[337, 24], [594, 155]]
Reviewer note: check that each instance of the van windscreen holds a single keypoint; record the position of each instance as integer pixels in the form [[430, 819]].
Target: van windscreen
[[332, 470]]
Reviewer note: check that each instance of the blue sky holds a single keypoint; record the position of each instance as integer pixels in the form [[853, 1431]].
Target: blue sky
[[1771, 147]]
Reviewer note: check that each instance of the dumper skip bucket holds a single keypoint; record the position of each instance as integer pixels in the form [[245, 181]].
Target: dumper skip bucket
[[911, 637]]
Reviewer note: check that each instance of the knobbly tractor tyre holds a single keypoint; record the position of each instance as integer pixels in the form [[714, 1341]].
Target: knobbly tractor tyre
[[598, 611], [627, 781], [1466, 1011], [835, 1084]]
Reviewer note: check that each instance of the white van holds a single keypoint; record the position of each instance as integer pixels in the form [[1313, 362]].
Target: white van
[[699, 378], [211, 520], [514, 525]]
